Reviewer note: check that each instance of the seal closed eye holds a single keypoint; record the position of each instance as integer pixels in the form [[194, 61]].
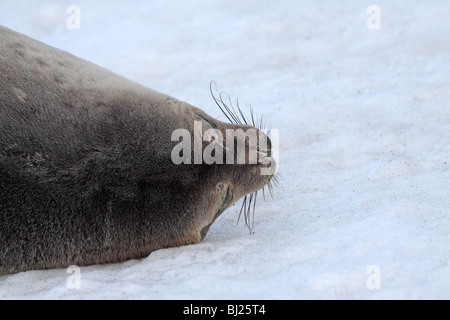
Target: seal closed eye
[[85, 164], [206, 118]]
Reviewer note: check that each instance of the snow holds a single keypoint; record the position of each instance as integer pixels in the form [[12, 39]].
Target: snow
[[363, 207]]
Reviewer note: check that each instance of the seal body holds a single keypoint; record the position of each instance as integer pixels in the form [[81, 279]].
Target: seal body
[[86, 175]]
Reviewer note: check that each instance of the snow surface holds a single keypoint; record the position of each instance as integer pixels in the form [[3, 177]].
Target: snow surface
[[364, 120]]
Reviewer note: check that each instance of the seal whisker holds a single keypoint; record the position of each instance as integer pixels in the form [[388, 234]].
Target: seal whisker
[[246, 211], [244, 202], [254, 209], [235, 116], [240, 111], [252, 116], [219, 101], [270, 187], [249, 212], [234, 113], [275, 179], [230, 111]]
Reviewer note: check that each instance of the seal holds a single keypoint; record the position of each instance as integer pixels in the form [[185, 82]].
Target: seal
[[87, 175]]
